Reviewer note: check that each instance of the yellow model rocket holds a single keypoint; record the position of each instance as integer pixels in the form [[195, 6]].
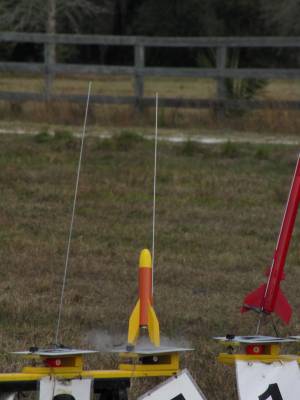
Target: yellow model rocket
[[143, 315]]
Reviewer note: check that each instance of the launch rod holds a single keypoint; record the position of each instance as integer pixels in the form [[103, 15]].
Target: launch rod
[[73, 215], [154, 187]]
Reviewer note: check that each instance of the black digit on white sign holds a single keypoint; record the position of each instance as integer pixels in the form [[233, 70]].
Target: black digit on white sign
[[272, 392], [179, 397]]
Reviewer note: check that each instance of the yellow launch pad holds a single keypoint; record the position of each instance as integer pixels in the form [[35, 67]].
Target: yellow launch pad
[[271, 353], [72, 367], [272, 356]]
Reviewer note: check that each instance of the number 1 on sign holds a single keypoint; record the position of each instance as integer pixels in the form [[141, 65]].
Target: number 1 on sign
[[272, 392]]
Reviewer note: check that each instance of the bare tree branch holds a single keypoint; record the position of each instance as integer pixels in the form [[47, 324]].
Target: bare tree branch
[[283, 15], [32, 15]]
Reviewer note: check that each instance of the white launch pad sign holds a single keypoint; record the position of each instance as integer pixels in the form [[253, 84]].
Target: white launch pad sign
[[179, 387], [260, 381], [79, 389]]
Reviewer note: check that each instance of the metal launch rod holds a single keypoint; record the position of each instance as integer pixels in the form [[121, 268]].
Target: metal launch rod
[[154, 187], [72, 217]]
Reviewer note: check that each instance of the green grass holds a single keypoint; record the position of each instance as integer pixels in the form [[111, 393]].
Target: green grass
[[219, 210]]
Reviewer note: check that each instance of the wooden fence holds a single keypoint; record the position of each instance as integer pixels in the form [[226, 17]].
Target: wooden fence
[[49, 68]]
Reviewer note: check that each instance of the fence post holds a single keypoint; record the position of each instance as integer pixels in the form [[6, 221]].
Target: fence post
[[49, 61], [221, 86], [139, 62]]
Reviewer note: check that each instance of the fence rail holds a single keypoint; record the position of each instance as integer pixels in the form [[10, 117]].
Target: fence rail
[[49, 68]]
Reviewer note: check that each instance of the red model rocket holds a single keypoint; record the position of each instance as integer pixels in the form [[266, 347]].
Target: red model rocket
[[268, 297]]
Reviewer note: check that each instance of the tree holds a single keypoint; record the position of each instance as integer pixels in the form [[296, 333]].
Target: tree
[[52, 16], [124, 15], [173, 18], [239, 17], [203, 18], [49, 16], [282, 16]]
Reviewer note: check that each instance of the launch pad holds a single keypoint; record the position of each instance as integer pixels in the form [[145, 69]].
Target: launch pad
[[265, 349], [63, 366]]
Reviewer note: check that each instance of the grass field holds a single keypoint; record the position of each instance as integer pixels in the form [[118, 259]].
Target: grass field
[[219, 210]]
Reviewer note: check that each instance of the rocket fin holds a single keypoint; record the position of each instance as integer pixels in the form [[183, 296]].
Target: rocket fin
[[282, 308], [134, 324], [253, 301], [153, 326]]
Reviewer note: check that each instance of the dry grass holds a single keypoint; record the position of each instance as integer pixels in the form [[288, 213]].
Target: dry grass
[[115, 86], [218, 214], [283, 90], [279, 122], [275, 121], [167, 87]]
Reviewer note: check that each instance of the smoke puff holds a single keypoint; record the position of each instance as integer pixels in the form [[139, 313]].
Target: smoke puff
[[103, 341]]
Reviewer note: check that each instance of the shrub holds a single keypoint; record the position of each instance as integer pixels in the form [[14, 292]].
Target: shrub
[[63, 136], [230, 150], [42, 137], [127, 139], [189, 148], [262, 153]]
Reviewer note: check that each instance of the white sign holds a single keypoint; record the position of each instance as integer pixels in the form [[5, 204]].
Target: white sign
[[80, 389], [8, 396], [179, 387], [260, 381]]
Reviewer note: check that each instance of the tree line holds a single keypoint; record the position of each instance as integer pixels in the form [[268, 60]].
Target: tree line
[[148, 17], [155, 18]]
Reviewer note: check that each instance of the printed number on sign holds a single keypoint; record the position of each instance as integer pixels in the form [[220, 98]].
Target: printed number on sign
[[272, 392]]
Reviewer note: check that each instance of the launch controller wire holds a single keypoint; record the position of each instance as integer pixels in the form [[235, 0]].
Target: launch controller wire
[[72, 218]]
